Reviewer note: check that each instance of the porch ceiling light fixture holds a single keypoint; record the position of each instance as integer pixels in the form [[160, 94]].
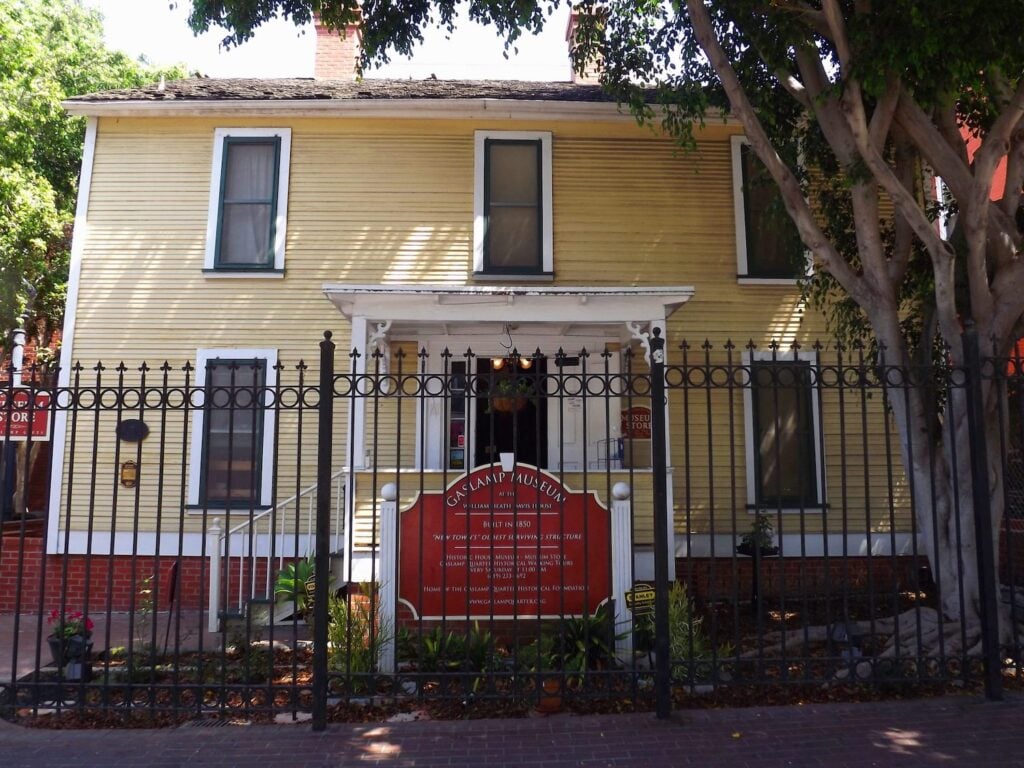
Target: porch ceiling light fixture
[[499, 363]]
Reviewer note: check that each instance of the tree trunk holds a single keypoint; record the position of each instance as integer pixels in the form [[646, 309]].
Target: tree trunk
[[941, 486], [26, 455]]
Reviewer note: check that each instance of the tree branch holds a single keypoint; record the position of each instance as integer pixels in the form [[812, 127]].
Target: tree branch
[[946, 121], [943, 258], [837, 28], [825, 109], [881, 119], [794, 88], [814, 18], [1011, 199], [949, 164], [996, 144], [792, 195], [906, 171]]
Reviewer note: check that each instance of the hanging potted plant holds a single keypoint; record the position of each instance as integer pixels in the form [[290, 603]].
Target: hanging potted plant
[[70, 639], [509, 394]]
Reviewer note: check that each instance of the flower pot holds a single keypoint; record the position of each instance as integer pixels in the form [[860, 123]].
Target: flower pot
[[509, 404], [75, 648], [551, 699], [745, 548], [78, 670]]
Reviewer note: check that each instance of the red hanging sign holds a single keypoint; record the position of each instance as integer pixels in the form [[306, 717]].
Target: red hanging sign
[[20, 420], [636, 422], [515, 544]]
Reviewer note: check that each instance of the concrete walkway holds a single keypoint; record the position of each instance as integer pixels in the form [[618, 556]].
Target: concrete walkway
[[18, 651], [952, 731]]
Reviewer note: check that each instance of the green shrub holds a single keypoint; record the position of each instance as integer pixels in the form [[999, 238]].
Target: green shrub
[[687, 638], [296, 584], [573, 645], [355, 633], [437, 651]]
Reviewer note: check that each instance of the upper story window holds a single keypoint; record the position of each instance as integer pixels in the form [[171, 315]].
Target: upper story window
[[512, 202], [768, 246], [784, 463], [248, 201]]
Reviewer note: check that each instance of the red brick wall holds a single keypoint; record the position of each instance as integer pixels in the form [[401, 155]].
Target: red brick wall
[[120, 584], [713, 579], [335, 56], [812, 576]]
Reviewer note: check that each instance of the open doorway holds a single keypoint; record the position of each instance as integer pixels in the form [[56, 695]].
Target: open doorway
[[511, 411]]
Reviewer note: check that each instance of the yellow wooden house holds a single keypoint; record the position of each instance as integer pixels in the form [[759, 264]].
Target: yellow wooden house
[[227, 223]]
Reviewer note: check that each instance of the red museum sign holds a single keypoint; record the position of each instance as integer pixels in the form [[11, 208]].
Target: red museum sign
[[636, 422], [21, 414], [510, 545]]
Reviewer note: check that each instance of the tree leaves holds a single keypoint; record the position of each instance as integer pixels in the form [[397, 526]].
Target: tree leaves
[[49, 50]]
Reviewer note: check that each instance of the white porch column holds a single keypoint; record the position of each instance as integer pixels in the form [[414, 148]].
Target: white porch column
[[213, 552], [355, 439], [388, 591], [622, 569], [357, 405]]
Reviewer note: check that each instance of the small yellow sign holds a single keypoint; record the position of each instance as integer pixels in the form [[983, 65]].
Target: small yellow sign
[[640, 599]]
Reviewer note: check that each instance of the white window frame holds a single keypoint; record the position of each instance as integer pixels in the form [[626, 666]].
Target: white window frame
[[195, 465], [767, 356], [220, 135], [479, 223], [740, 222]]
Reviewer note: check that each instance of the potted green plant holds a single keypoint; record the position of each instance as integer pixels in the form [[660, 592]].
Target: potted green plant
[[70, 640], [760, 539], [295, 587], [509, 394]]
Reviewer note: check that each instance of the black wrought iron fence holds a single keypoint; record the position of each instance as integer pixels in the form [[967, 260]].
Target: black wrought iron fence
[[554, 529]]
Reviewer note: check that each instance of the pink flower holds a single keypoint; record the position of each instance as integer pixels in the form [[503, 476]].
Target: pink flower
[[71, 623]]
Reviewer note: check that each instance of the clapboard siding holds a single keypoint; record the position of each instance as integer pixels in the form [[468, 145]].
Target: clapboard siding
[[389, 202]]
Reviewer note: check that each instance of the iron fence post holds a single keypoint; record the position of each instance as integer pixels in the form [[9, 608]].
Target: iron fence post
[[663, 662], [982, 516], [322, 563]]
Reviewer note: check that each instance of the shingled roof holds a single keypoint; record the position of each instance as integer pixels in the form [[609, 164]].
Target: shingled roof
[[308, 89]]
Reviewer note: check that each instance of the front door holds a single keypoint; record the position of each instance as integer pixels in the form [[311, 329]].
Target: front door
[[511, 413], [548, 414]]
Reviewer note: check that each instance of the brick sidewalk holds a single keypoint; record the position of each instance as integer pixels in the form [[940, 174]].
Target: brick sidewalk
[[951, 732]]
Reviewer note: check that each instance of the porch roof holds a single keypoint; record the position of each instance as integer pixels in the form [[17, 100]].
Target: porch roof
[[507, 303]]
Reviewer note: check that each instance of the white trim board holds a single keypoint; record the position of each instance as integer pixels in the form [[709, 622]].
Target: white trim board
[[513, 303], [79, 236], [451, 109]]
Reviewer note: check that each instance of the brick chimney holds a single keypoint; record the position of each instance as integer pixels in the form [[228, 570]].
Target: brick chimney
[[592, 72], [336, 54]]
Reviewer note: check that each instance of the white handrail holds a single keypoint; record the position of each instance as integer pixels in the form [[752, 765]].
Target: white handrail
[[265, 542]]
